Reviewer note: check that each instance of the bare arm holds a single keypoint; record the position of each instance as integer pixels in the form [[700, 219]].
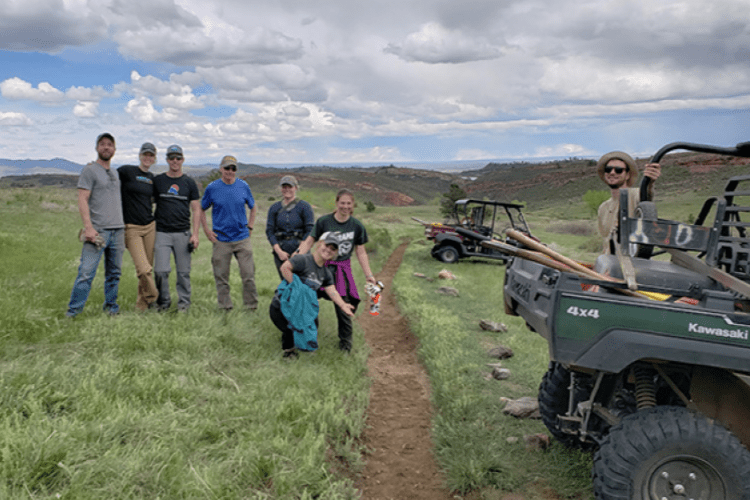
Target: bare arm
[[83, 209], [306, 245], [652, 171], [251, 219], [195, 206], [286, 271], [204, 222], [336, 298], [364, 261]]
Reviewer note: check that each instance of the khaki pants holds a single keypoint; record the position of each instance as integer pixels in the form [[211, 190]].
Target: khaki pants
[[221, 259], [139, 240]]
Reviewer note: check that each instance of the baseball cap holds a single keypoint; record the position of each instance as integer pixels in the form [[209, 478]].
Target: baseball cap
[[228, 160], [174, 149], [147, 147], [290, 180], [102, 136], [330, 238]]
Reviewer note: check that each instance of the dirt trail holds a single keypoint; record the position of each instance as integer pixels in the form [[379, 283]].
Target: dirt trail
[[400, 465]]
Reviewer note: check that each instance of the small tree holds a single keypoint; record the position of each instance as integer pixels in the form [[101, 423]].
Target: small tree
[[370, 206], [594, 198], [455, 193]]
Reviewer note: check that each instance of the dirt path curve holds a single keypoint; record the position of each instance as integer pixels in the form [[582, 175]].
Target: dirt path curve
[[400, 465]]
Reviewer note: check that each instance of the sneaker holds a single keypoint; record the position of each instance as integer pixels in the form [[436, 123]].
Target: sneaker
[[290, 354]]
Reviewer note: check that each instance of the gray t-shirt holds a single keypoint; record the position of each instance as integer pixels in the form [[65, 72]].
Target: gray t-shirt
[[105, 202]]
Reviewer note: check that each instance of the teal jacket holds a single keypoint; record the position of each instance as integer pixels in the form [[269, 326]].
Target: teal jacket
[[299, 305]]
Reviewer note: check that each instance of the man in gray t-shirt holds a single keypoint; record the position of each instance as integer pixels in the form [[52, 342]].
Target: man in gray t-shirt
[[100, 206]]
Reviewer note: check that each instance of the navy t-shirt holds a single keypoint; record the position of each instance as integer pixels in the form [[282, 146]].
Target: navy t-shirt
[[137, 188]]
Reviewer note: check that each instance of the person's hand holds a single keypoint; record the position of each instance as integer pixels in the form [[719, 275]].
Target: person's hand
[[652, 171], [194, 241], [91, 234], [371, 279], [212, 236], [348, 309], [283, 256]]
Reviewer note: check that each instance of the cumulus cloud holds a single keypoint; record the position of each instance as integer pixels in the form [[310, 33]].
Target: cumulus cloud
[[435, 44], [86, 109], [14, 119], [15, 88], [142, 110], [48, 25]]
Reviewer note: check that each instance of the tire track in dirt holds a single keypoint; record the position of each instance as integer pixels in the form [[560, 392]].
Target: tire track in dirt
[[400, 464]]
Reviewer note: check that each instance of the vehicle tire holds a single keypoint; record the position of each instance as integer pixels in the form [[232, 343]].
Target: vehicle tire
[[644, 210], [448, 254], [553, 401], [670, 452]]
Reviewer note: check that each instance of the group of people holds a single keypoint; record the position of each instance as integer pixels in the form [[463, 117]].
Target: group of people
[[117, 211]]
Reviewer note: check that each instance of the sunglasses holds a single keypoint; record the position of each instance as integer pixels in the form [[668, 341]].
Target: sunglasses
[[617, 170], [230, 167], [170, 158]]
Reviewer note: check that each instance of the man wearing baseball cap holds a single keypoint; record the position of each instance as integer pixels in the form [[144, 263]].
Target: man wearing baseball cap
[[619, 170], [100, 206], [230, 233], [176, 196], [137, 188]]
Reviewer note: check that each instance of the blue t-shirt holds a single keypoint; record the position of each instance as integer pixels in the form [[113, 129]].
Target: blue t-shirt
[[229, 215]]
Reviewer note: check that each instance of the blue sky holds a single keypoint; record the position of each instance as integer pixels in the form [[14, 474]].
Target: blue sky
[[353, 81]]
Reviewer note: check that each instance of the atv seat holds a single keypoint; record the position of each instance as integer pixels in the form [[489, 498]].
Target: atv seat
[[724, 243], [655, 275]]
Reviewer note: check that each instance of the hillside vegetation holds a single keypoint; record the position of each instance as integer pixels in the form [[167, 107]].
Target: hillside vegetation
[[538, 185]]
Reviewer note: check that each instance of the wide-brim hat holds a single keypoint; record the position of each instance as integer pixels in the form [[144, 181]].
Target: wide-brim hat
[[624, 157]]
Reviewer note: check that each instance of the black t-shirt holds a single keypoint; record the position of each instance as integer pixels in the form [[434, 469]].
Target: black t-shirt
[[351, 233], [137, 189], [173, 196], [310, 273], [315, 276]]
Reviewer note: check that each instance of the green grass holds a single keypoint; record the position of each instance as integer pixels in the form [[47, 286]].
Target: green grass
[[470, 432], [202, 406]]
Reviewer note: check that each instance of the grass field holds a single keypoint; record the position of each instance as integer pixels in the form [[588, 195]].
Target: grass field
[[202, 405]]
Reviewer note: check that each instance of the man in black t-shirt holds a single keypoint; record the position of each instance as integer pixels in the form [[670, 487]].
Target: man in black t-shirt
[[176, 197], [137, 189]]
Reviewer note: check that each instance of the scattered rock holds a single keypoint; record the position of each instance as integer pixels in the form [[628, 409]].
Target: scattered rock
[[500, 373], [511, 439], [537, 442], [525, 407], [448, 290], [492, 326], [419, 275], [446, 275], [500, 352]]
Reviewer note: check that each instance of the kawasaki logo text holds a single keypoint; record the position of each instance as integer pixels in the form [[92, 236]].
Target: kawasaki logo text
[[718, 332]]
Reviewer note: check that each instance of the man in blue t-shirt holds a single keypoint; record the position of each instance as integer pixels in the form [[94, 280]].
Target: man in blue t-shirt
[[231, 232]]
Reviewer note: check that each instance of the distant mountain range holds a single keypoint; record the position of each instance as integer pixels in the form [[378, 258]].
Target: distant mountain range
[[61, 166]]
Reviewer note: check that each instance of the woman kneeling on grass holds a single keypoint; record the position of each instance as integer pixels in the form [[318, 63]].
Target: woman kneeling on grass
[[313, 276], [352, 238]]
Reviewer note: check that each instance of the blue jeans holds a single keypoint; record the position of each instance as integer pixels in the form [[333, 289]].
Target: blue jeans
[[113, 251]]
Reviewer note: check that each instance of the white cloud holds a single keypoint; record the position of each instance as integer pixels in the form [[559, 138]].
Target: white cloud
[[15, 88], [86, 109], [435, 44], [14, 119]]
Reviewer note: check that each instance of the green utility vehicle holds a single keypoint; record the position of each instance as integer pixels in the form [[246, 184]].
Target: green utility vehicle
[[658, 389], [474, 221]]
